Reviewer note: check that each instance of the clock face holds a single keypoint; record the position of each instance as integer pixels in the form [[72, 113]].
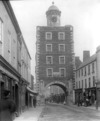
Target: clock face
[[54, 19]]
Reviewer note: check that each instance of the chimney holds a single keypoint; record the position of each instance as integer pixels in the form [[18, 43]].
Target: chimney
[[86, 55]]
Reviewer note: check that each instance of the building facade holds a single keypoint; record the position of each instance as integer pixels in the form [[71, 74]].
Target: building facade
[[54, 50], [87, 78], [13, 75]]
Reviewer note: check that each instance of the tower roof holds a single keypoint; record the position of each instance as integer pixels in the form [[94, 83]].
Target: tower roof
[[53, 7]]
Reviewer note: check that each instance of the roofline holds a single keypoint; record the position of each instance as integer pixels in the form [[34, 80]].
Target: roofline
[[26, 47], [14, 20], [12, 15], [86, 64]]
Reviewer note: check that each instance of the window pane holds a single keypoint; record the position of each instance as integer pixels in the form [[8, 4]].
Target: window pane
[[49, 60], [93, 81], [62, 60], [49, 72], [62, 72], [48, 35], [61, 47], [61, 36], [49, 48]]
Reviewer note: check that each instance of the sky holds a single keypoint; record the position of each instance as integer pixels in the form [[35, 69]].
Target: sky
[[83, 15]]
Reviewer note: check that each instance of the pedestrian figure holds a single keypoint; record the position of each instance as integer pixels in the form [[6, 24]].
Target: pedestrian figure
[[7, 107], [87, 101], [78, 100], [34, 101]]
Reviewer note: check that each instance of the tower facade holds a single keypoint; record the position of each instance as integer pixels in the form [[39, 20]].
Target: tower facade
[[54, 50]]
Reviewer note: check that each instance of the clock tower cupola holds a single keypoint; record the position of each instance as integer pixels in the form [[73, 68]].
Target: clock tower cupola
[[53, 16]]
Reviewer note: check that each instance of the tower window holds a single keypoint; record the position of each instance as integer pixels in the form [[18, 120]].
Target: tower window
[[62, 60], [62, 72], [61, 35], [48, 36], [49, 47], [61, 47], [49, 72], [49, 60]]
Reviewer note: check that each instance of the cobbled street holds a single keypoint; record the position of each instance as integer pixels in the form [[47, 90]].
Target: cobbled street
[[54, 112]]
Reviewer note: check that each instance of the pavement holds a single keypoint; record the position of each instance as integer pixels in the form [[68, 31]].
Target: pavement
[[31, 114], [93, 107]]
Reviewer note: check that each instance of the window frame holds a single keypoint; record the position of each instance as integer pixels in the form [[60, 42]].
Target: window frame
[[60, 59], [60, 48], [89, 82], [59, 36], [51, 71], [64, 72], [47, 47], [93, 67], [46, 36], [47, 62]]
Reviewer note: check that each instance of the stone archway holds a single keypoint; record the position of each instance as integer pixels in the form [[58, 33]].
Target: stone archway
[[57, 83], [61, 85]]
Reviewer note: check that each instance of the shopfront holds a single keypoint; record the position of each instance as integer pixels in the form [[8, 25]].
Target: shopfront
[[9, 80], [78, 92], [30, 94], [91, 94]]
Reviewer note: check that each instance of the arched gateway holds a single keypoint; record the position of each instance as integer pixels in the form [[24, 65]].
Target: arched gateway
[[57, 83]]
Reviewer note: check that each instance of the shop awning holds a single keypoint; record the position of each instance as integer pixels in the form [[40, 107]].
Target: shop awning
[[31, 91]]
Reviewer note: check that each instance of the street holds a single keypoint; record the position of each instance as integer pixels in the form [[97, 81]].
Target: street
[[54, 112]]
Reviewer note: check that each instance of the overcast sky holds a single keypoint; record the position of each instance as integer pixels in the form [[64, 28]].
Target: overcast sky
[[83, 15]]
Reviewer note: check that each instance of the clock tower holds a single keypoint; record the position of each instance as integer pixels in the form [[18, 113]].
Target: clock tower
[[53, 16]]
